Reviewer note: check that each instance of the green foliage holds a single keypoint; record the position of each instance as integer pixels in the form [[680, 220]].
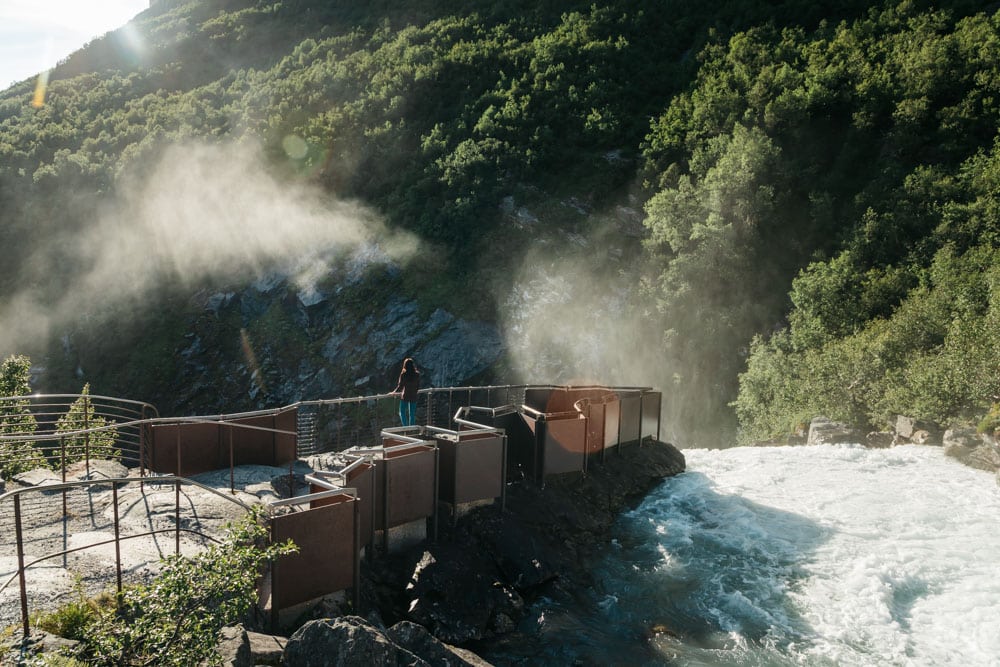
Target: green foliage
[[73, 620], [175, 620], [806, 162], [97, 442], [874, 214], [16, 419], [990, 423]]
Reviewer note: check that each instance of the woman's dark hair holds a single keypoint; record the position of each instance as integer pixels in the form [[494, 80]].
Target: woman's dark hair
[[409, 367]]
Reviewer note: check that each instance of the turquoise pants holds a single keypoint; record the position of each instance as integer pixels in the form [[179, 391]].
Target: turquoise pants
[[408, 412]]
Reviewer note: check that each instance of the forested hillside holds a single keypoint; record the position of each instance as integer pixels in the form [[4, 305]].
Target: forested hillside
[[817, 186]]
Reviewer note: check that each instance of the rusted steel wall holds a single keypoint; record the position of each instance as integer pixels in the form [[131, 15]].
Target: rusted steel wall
[[563, 444], [326, 558], [206, 446], [630, 421], [199, 444], [651, 415], [470, 468], [404, 486]]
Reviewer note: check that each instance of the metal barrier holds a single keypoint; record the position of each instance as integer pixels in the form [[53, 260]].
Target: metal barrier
[[81, 520], [328, 535], [473, 462], [60, 430], [193, 445]]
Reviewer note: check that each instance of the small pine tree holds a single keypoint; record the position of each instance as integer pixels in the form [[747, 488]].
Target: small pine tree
[[96, 443], [17, 456]]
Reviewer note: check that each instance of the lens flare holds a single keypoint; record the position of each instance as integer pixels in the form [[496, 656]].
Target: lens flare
[[251, 357], [38, 101]]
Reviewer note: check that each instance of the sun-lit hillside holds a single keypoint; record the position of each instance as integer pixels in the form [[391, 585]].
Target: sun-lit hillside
[[676, 192]]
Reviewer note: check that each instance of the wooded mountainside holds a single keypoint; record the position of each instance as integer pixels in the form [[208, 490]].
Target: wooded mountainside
[[818, 183]]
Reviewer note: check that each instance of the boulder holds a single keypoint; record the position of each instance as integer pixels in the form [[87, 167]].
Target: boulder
[[266, 649], [345, 642], [879, 439], [917, 431], [234, 647], [419, 641], [823, 431], [972, 448]]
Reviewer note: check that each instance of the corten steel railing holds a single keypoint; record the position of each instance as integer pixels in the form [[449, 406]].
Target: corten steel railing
[[473, 462], [193, 445], [328, 535], [56, 431], [33, 524], [333, 425]]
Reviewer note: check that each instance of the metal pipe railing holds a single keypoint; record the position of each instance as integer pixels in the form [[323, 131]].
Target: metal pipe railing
[[19, 528]]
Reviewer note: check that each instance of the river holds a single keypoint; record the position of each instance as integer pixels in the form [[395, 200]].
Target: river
[[827, 555]]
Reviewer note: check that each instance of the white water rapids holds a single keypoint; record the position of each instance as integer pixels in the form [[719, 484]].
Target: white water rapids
[[826, 555]]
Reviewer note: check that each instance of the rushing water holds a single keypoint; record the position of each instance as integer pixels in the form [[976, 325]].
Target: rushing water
[[831, 555]]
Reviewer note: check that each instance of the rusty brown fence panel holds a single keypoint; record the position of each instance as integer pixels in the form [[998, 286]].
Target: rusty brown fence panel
[[651, 415], [409, 476], [472, 467], [194, 445], [563, 444], [630, 424], [326, 561]]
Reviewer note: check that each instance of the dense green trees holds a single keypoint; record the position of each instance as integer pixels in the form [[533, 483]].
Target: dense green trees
[[818, 178]]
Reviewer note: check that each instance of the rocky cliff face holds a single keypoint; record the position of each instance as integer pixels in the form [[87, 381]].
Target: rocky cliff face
[[275, 342]]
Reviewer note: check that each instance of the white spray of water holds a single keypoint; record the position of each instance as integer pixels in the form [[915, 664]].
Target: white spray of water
[[820, 556], [574, 315], [201, 212]]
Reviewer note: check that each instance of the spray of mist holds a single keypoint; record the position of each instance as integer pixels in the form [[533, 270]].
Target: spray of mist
[[200, 212], [575, 315]]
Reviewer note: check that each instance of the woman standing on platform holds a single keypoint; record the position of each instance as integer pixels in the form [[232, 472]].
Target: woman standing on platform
[[406, 389]]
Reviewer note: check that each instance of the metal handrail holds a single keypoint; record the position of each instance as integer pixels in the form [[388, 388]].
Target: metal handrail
[[15, 497]]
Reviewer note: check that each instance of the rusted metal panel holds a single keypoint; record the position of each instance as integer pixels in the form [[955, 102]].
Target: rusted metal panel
[[471, 468], [595, 427], [564, 444], [254, 446], [325, 561], [629, 429], [409, 478], [538, 398], [651, 415], [199, 444], [286, 444], [520, 444], [612, 418], [363, 479]]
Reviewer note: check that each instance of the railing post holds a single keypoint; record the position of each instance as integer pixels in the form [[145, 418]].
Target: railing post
[[118, 549], [357, 556], [19, 535], [177, 516], [503, 471], [232, 480], [86, 433]]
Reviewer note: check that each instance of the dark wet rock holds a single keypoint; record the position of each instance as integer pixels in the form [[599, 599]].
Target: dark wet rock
[[419, 641], [477, 581]]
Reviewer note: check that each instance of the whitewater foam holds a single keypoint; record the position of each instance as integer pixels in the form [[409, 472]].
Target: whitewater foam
[[838, 555]]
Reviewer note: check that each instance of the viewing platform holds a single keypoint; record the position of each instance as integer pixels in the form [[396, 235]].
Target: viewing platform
[[112, 487]]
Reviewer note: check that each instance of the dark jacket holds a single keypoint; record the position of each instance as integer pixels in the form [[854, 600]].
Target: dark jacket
[[409, 384]]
